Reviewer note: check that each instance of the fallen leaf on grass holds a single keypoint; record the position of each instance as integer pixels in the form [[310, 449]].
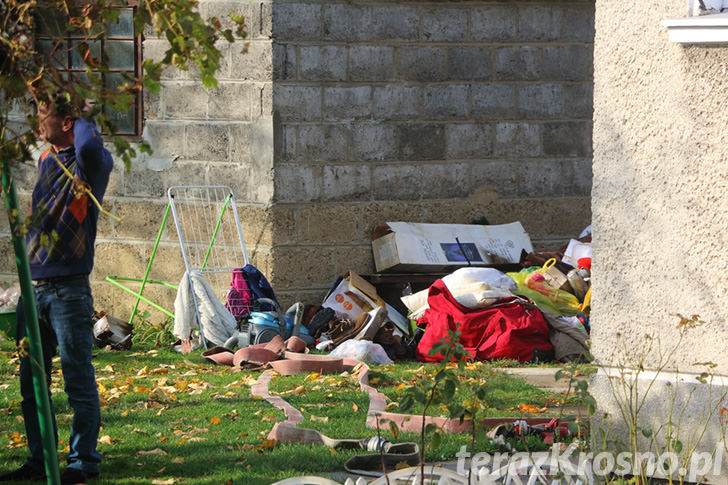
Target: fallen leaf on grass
[[311, 377], [215, 420], [169, 481], [233, 415], [154, 452], [266, 445], [16, 440], [178, 459], [529, 408], [298, 390], [320, 419], [354, 407], [107, 440]]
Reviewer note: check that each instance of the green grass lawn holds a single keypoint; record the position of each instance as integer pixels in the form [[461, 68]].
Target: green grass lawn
[[169, 418]]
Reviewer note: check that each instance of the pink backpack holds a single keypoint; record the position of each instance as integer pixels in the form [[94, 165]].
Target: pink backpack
[[238, 298]]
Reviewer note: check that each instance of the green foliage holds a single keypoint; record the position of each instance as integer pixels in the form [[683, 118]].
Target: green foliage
[[31, 77], [148, 333], [440, 391], [632, 385]]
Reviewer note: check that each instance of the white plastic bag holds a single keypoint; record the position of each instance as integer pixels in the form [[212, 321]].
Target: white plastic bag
[[9, 298], [478, 287], [363, 350]]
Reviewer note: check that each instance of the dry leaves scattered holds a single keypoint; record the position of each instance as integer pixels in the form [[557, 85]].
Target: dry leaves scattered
[[16, 440]]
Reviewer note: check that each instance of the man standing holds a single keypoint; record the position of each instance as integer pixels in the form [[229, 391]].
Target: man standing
[[60, 244]]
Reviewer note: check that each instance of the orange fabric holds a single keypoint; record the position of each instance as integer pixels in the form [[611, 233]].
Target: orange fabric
[[78, 207]]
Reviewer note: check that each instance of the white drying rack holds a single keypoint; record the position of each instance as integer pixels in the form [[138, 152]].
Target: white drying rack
[[210, 236]]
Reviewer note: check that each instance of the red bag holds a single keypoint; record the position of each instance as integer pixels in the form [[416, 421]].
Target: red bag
[[505, 330]]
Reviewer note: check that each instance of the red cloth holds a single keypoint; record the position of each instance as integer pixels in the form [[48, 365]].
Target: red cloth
[[506, 330]]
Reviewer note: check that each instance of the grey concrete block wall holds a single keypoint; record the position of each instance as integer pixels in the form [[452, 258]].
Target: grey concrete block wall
[[427, 103], [335, 116]]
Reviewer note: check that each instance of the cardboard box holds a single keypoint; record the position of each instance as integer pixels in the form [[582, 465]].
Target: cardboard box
[[353, 295], [423, 248]]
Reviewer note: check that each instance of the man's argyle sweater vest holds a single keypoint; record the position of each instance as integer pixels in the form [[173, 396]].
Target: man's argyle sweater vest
[[62, 232]]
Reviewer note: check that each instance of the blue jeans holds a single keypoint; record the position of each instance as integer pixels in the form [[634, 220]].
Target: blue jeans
[[64, 317]]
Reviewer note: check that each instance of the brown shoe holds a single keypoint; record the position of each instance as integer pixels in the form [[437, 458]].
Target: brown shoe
[[341, 330]]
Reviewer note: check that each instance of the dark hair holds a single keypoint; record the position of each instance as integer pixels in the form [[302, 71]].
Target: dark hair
[[62, 105]]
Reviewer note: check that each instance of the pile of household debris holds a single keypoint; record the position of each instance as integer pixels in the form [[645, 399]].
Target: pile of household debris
[[485, 282]]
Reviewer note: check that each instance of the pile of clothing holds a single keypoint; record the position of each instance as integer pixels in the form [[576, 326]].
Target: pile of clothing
[[538, 314]]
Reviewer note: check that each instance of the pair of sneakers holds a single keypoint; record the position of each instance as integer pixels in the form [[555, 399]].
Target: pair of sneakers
[[28, 473]]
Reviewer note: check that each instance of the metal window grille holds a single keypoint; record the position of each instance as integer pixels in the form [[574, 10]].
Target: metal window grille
[[119, 45]]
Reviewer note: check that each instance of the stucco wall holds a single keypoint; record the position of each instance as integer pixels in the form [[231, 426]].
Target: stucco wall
[[659, 204]]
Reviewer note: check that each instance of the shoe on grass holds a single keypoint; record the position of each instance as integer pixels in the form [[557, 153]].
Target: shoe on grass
[[73, 476], [25, 473]]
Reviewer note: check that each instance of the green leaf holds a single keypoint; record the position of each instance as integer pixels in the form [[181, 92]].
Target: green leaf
[[442, 374], [238, 19], [394, 429], [677, 446], [419, 396], [435, 440], [208, 79], [591, 404], [145, 147], [448, 389], [646, 432]]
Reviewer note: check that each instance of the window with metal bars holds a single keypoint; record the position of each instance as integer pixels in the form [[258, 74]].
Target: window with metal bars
[[119, 46]]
